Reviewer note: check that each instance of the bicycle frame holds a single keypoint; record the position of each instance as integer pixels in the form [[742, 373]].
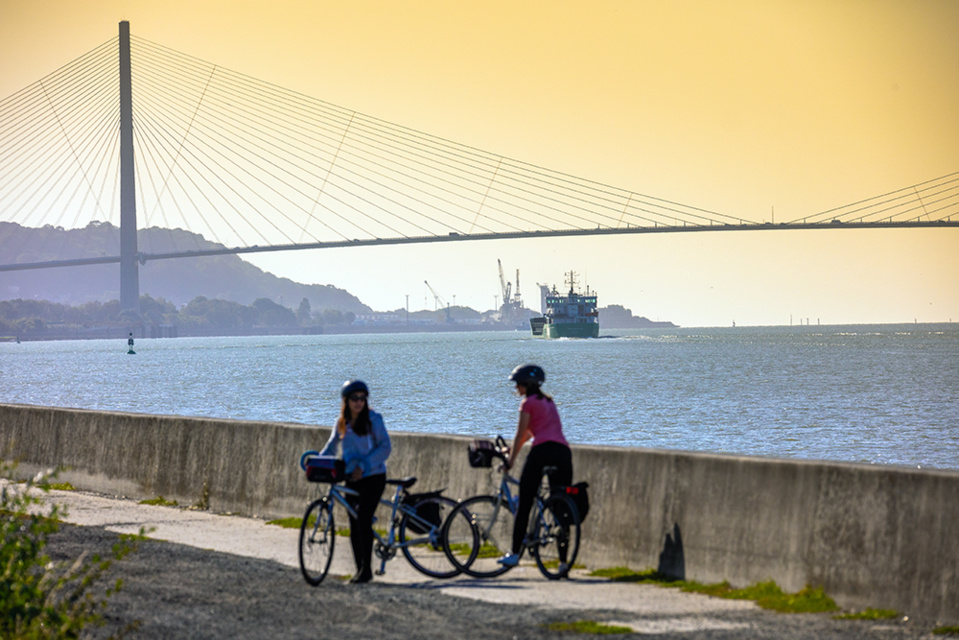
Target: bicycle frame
[[398, 508]]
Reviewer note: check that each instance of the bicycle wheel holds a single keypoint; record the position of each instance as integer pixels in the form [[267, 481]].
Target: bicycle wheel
[[420, 536], [317, 535], [554, 536], [476, 555]]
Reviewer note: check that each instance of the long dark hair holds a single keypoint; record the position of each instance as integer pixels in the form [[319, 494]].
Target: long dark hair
[[532, 389], [360, 423]]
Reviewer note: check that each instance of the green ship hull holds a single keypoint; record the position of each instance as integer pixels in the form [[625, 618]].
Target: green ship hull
[[571, 330]]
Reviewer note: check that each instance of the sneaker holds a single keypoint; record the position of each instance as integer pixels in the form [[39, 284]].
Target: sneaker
[[509, 560], [564, 569]]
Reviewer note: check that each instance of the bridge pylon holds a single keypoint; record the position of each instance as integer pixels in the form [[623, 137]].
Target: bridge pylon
[[129, 269]]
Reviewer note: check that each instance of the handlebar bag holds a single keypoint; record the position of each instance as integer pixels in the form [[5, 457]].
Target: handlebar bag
[[325, 469]]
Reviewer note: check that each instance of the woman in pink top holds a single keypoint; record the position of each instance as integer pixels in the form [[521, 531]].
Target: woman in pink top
[[538, 421]]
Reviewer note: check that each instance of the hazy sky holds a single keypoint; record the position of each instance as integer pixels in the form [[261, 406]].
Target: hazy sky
[[747, 108]]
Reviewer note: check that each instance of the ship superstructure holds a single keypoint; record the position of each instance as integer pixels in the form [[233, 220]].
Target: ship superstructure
[[570, 315]]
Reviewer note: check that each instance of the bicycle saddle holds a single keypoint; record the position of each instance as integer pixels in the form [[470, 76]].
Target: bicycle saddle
[[406, 483]]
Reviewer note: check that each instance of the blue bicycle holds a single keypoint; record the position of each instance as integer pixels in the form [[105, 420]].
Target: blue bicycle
[[415, 525], [474, 544]]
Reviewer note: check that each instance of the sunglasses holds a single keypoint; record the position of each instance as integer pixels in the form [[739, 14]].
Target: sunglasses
[[357, 397]]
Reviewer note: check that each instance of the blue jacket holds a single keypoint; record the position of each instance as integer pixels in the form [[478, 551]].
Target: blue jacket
[[368, 452]]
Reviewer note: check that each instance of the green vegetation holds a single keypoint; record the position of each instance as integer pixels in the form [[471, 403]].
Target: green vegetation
[[588, 626], [946, 631], [61, 486], [767, 595], [625, 574], [160, 501], [286, 523], [869, 614], [294, 523], [40, 598], [203, 502]]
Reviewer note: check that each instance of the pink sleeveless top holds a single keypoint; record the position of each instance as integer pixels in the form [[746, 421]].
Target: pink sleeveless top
[[544, 421]]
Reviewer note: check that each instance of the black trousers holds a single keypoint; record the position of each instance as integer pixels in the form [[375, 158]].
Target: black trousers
[[548, 454], [361, 527]]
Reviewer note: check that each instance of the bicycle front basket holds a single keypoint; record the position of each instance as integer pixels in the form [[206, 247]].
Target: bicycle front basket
[[325, 469], [481, 453]]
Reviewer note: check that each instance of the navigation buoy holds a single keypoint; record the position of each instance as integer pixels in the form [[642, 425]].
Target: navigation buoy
[[130, 351]]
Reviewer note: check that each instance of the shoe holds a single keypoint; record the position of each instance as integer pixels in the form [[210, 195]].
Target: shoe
[[361, 577], [564, 569], [509, 560]]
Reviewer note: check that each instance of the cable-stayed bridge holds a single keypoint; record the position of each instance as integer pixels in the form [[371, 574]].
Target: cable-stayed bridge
[[138, 135]]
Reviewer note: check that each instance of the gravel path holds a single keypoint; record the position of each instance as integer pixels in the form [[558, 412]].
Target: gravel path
[[212, 576]]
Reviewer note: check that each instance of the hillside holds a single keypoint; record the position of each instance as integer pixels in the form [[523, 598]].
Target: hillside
[[179, 281]]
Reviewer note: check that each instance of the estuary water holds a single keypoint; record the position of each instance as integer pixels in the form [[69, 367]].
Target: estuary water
[[886, 394]]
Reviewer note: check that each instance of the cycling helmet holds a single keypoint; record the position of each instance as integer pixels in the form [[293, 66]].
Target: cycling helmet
[[527, 373], [354, 386]]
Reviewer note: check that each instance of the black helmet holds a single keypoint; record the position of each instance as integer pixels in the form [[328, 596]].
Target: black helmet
[[354, 386], [527, 373]]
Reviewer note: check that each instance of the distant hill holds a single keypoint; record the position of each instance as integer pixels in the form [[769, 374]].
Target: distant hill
[[179, 280], [618, 317]]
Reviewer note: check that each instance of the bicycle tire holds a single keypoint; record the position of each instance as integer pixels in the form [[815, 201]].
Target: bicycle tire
[[477, 556], [554, 536], [426, 555], [317, 537]]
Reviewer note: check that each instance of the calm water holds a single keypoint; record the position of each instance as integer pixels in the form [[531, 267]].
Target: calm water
[[881, 394]]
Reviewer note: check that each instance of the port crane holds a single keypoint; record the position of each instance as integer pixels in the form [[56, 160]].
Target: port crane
[[504, 286], [439, 301], [512, 303]]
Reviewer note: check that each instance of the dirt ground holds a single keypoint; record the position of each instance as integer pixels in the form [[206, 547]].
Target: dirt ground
[[176, 591]]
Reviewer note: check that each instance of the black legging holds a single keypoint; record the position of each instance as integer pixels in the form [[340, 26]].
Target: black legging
[[370, 489], [547, 454]]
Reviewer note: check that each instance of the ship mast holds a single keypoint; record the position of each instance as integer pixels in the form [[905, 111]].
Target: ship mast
[[571, 280]]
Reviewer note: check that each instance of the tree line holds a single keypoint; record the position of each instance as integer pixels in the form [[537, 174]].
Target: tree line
[[36, 318]]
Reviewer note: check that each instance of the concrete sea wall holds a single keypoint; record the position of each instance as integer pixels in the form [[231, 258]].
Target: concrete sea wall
[[872, 536]]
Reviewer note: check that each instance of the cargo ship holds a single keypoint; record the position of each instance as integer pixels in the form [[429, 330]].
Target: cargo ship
[[573, 315]]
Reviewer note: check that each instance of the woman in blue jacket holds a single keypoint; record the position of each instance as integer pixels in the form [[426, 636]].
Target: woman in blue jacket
[[364, 446]]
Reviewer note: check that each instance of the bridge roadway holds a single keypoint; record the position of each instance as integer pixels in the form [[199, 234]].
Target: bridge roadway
[[186, 590]]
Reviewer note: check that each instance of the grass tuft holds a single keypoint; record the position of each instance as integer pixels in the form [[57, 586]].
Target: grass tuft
[[60, 486], [869, 614], [946, 631], [767, 595], [160, 501], [287, 523], [625, 574], [588, 626]]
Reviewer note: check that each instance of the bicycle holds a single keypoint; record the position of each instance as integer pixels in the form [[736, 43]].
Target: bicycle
[[552, 538], [415, 527]]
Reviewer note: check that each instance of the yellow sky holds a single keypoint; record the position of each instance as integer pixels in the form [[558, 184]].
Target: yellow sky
[[748, 108]]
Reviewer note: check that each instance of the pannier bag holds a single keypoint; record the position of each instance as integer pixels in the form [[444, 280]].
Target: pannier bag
[[428, 511], [580, 497], [481, 454], [325, 469]]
